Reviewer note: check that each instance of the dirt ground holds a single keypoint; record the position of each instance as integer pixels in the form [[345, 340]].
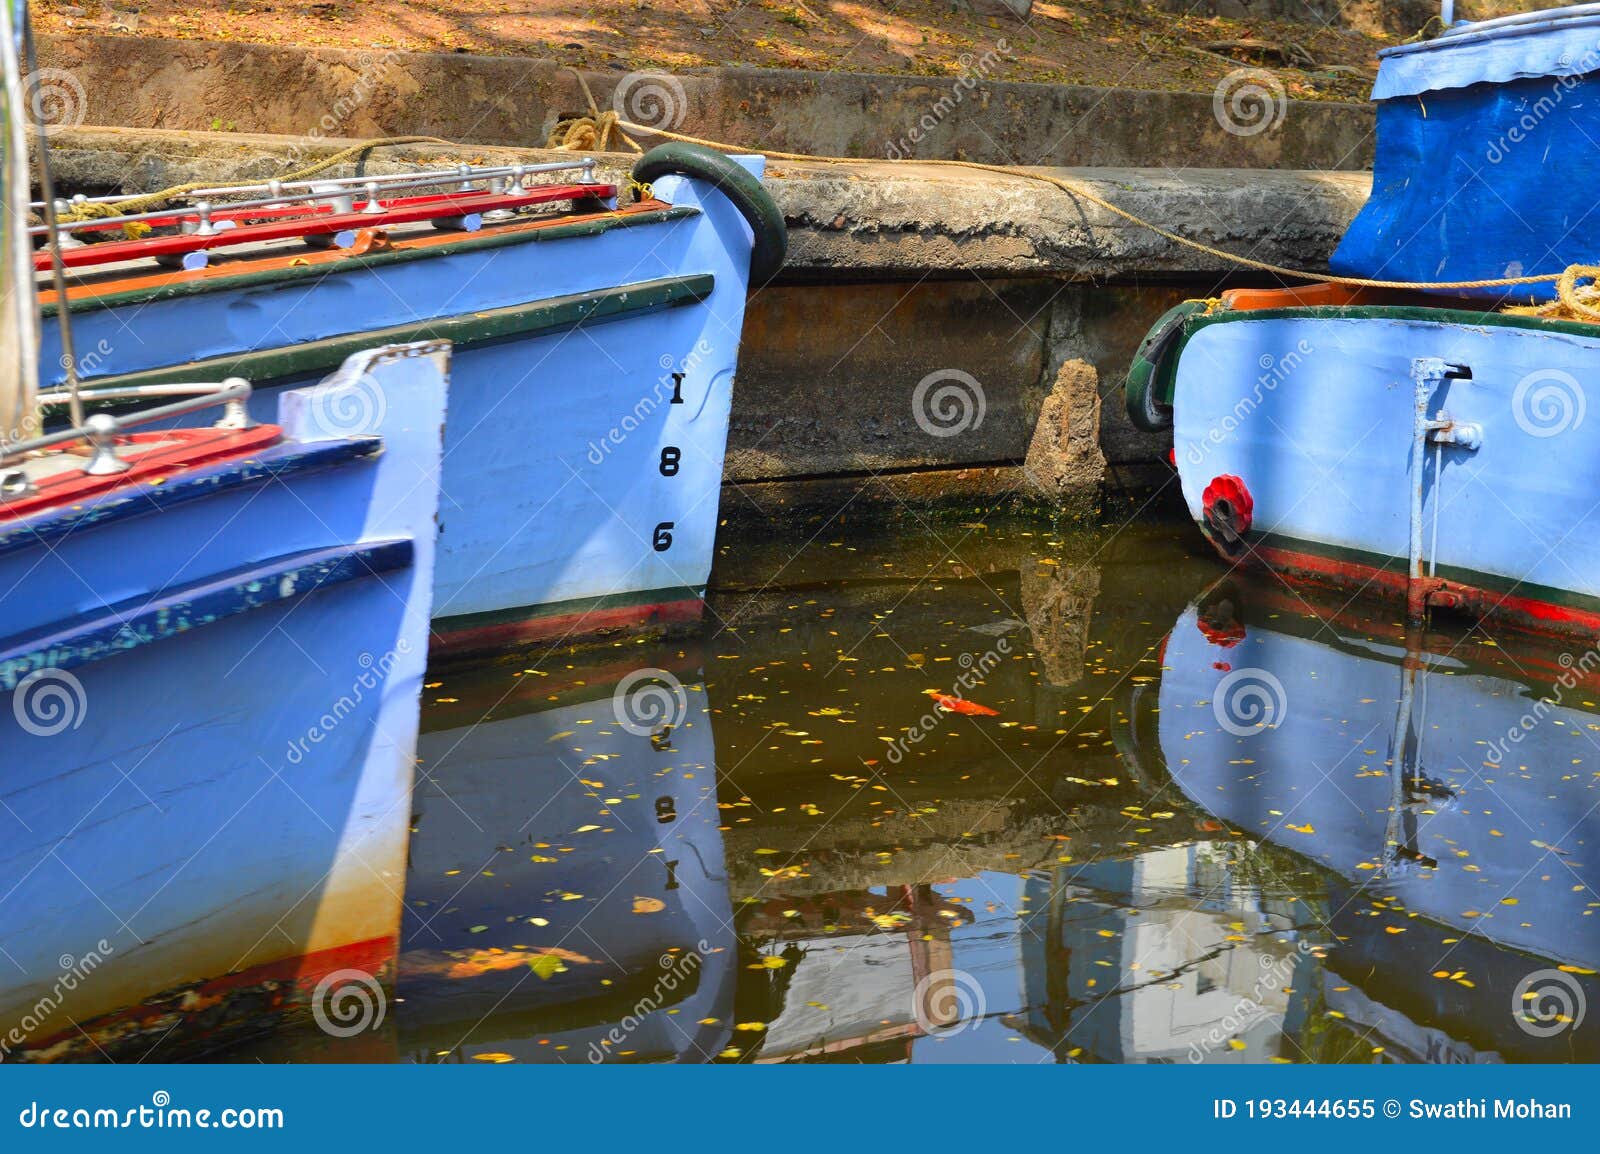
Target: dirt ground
[[1098, 42]]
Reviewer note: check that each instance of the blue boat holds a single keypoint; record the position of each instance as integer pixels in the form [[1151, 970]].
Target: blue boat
[[212, 642], [1447, 787], [595, 349], [1426, 444]]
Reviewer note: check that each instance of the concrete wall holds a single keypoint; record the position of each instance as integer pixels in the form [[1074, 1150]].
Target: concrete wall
[[896, 272], [183, 84]]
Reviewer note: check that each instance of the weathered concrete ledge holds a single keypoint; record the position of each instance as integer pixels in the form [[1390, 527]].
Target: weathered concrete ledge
[[897, 272], [865, 221], [199, 85]]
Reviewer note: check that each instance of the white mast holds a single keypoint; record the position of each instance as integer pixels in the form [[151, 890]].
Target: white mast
[[19, 321]]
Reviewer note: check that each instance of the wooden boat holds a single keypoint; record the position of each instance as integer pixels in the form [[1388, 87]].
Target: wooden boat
[[1446, 786], [1423, 445], [595, 349], [212, 642]]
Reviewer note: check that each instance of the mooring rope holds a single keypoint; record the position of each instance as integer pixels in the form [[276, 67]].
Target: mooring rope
[[600, 124]]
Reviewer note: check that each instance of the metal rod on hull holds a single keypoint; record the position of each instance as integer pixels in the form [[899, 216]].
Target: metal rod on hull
[[1427, 374]]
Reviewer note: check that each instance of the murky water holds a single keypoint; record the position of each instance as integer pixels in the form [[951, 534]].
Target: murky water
[[1204, 822]]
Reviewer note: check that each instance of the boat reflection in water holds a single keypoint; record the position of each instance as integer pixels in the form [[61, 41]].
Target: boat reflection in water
[[1448, 787], [567, 900]]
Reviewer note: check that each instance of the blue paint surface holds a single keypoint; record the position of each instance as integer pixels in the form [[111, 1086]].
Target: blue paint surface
[[564, 452], [202, 775], [1483, 172], [1314, 414]]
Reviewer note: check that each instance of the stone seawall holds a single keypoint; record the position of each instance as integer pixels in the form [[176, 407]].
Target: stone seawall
[[205, 85]]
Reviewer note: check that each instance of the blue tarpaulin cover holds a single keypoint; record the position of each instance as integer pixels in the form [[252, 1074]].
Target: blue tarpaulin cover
[[1488, 158]]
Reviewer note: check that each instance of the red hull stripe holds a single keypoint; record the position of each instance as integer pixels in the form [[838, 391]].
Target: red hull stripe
[[565, 627], [1530, 612], [296, 979]]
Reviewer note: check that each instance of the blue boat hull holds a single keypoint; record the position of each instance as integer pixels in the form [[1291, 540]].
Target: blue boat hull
[[1300, 421], [591, 388], [1448, 787], [211, 704]]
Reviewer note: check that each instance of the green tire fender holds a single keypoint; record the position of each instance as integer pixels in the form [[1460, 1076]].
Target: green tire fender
[[734, 181], [1148, 389]]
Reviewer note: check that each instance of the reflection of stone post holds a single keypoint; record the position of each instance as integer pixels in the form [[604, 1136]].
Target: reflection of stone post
[[1058, 602], [1064, 462]]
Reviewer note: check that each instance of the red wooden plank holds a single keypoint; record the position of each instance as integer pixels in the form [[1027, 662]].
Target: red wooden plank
[[411, 211], [192, 447]]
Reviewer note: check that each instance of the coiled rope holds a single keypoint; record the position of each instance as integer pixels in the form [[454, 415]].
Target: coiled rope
[[601, 125]]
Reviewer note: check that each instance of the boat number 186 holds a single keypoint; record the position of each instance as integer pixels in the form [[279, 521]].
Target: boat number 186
[[671, 459]]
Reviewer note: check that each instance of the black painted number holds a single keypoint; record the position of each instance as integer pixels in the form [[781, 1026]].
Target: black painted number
[[670, 456], [663, 537], [677, 389]]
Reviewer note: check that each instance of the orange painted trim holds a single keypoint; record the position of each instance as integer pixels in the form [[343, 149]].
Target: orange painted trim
[[1300, 296], [329, 257]]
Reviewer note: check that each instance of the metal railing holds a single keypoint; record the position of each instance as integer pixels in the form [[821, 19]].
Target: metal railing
[[278, 194], [100, 430]]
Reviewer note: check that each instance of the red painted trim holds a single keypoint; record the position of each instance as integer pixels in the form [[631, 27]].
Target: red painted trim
[[1537, 659], [296, 979], [411, 211], [1527, 612], [564, 627], [191, 448]]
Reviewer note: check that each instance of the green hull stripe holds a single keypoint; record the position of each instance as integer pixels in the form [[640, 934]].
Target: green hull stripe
[[1166, 385], [469, 242], [516, 322], [1493, 582], [1463, 317]]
